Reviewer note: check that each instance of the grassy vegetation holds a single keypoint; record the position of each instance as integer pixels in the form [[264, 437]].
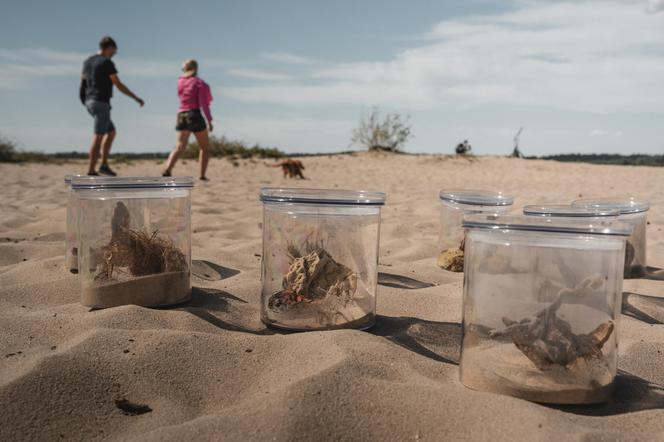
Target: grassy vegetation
[[219, 147], [632, 160], [223, 147], [9, 153], [236, 149]]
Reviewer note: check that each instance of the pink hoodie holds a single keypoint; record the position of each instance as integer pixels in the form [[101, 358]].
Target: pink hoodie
[[194, 93]]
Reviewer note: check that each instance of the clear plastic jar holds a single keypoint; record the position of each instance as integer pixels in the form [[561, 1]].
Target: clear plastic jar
[[71, 243], [454, 205], [541, 307], [134, 240], [633, 212], [320, 258], [569, 211]]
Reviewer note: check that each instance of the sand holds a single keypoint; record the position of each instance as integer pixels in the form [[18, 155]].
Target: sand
[[504, 369], [158, 290], [211, 370]]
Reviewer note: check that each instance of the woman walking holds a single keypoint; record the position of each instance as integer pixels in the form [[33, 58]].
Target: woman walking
[[195, 96]]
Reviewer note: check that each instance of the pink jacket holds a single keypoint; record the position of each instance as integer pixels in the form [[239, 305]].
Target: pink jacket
[[194, 93]]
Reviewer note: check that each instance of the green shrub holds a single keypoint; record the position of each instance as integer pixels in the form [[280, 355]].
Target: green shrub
[[616, 159], [7, 151], [223, 147], [10, 154], [388, 134]]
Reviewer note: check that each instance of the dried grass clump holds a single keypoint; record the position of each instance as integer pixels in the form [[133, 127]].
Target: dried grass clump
[[139, 251], [452, 259]]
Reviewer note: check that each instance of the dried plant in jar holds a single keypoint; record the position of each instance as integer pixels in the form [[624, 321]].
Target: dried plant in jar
[[144, 262], [319, 268], [315, 281], [455, 204], [541, 306], [548, 340]]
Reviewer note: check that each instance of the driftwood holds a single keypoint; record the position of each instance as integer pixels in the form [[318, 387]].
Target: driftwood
[[547, 339]]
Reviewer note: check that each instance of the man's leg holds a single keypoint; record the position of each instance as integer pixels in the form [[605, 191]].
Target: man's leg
[[100, 128], [106, 144], [95, 147]]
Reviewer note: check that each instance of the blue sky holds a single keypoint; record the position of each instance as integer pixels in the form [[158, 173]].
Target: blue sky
[[579, 76]]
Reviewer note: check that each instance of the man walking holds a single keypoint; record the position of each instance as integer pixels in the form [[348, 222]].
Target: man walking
[[97, 80]]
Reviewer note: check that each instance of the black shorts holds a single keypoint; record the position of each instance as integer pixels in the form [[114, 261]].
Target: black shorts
[[191, 120]]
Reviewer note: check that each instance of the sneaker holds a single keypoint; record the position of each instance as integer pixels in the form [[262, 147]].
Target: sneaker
[[166, 173], [106, 170], [93, 174], [204, 178]]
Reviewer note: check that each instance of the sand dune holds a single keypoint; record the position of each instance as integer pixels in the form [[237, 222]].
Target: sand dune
[[209, 369]]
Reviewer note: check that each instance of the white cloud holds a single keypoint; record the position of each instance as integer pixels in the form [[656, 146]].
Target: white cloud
[[605, 133], [582, 56], [653, 6], [255, 74], [19, 66], [287, 58]]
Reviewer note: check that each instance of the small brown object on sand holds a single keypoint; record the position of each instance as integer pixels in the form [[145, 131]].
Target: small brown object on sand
[[72, 260]]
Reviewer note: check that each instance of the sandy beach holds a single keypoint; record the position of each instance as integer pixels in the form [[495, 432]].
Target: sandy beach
[[210, 370]]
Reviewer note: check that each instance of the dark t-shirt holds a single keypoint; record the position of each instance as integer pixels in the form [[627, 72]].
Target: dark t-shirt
[[97, 84]]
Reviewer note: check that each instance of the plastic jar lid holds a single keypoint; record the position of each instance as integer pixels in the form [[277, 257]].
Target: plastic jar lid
[[69, 177], [569, 211], [322, 196], [547, 224], [113, 183], [476, 197], [624, 205]]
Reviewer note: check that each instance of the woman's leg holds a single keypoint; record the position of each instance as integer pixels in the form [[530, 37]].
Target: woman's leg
[[204, 155], [181, 144]]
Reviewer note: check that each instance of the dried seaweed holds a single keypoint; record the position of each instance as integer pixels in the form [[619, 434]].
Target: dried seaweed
[[452, 259], [139, 251], [313, 275], [131, 409], [548, 340]]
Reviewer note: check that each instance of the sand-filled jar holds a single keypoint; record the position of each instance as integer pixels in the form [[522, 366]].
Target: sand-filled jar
[[320, 258], [134, 240], [541, 307], [454, 205], [633, 212], [71, 226]]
